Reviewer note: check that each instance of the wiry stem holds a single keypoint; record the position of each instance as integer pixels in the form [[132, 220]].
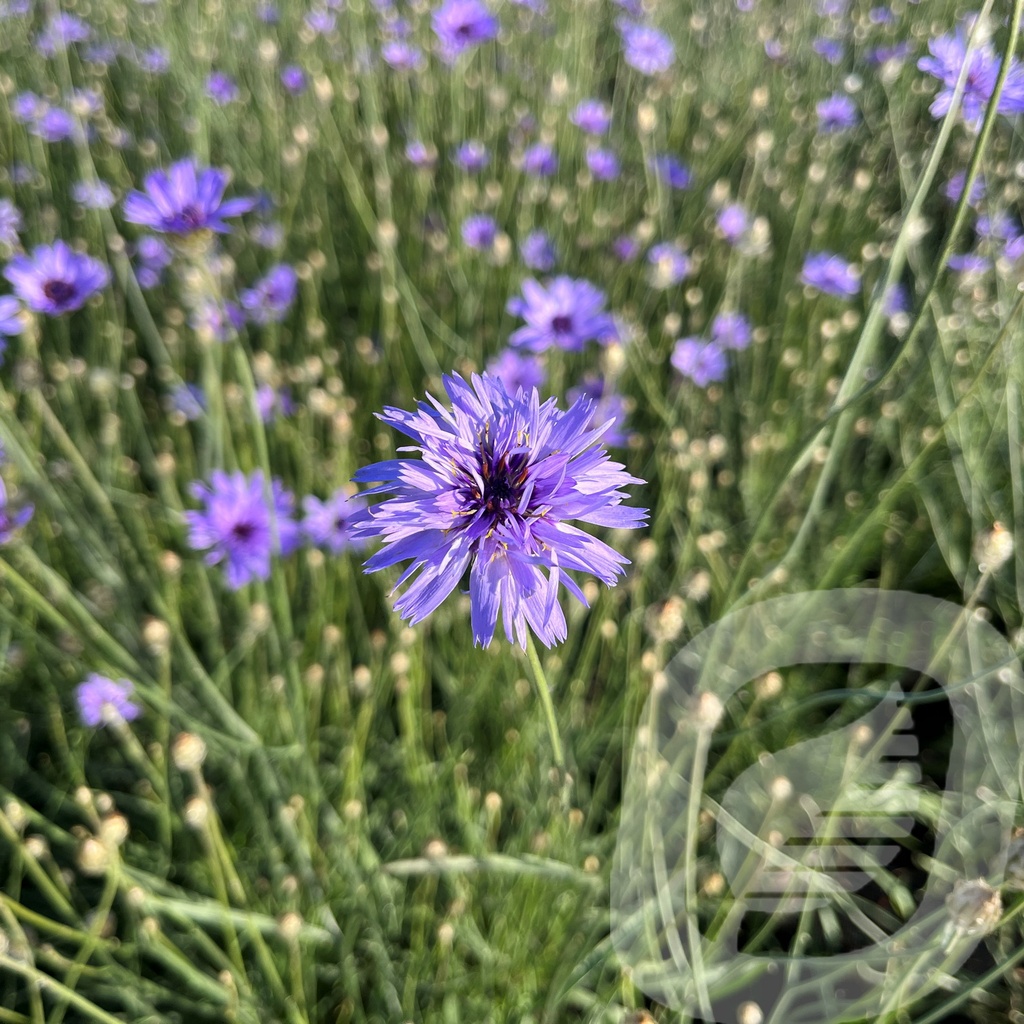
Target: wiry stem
[[544, 692]]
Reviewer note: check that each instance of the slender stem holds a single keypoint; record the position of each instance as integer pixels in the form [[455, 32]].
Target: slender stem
[[544, 692]]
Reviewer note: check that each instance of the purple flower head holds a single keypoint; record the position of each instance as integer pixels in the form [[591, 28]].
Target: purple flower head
[[321, 22], [669, 264], [269, 300], [10, 223], [93, 195], [156, 61], [272, 402], [62, 30], [462, 24], [188, 401], [328, 524], [671, 171], [294, 79], [472, 155], [539, 160], [55, 125], [12, 516], [103, 701], [538, 251], [948, 54], [625, 249], [969, 263], [609, 408], [153, 257], [516, 371], [837, 113], [893, 55], [733, 222], [183, 200], [701, 361], [897, 301], [268, 13], [645, 48], [567, 314], [55, 279], [221, 88], [494, 495], [402, 56], [10, 319], [479, 231], [419, 154], [593, 116], [830, 49], [242, 524], [270, 235], [881, 16], [830, 274], [27, 107], [731, 330], [954, 188], [222, 320], [603, 164]]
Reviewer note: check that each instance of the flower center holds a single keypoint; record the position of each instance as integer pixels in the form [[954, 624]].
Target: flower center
[[464, 31], [192, 215], [243, 531], [59, 292], [562, 324], [504, 478]]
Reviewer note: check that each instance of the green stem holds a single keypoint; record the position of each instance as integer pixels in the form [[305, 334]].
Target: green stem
[[544, 692]]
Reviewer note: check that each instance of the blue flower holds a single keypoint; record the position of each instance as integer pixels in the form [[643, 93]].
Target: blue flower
[[242, 524], [539, 160], [500, 480], [462, 24], [837, 113], [603, 164], [733, 221], [701, 361], [645, 48], [731, 330], [830, 274], [516, 371], [671, 171], [472, 155], [10, 223], [270, 298], [184, 200], [93, 195], [294, 79], [103, 701], [10, 319], [329, 524], [221, 88], [567, 314], [538, 251], [55, 279], [593, 116], [669, 264], [479, 231]]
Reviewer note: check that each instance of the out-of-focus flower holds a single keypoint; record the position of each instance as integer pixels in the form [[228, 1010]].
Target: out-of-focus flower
[[270, 298], [419, 154], [516, 370], [183, 200], [538, 251], [242, 524], [61, 30], [294, 79], [221, 88], [603, 164], [625, 249], [830, 274], [223, 320], [836, 113], [567, 314], [402, 55], [539, 160], [733, 222], [830, 49], [153, 257], [673, 172], [462, 24], [969, 263], [94, 195], [55, 125], [669, 264], [103, 701], [609, 409], [500, 482], [593, 116], [55, 279], [948, 54], [701, 361], [645, 48], [273, 402], [472, 155], [731, 330], [479, 231], [10, 319], [328, 524], [10, 223], [188, 401], [954, 188]]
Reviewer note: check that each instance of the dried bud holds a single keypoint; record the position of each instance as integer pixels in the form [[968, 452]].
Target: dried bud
[[993, 548], [974, 907], [188, 752]]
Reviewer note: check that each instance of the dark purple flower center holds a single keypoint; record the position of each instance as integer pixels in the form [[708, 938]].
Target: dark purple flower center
[[192, 216], [243, 531], [464, 31], [562, 324], [504, 478], [59, 292]]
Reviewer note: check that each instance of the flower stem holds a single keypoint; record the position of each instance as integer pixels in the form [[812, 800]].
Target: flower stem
[[544, 692]]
